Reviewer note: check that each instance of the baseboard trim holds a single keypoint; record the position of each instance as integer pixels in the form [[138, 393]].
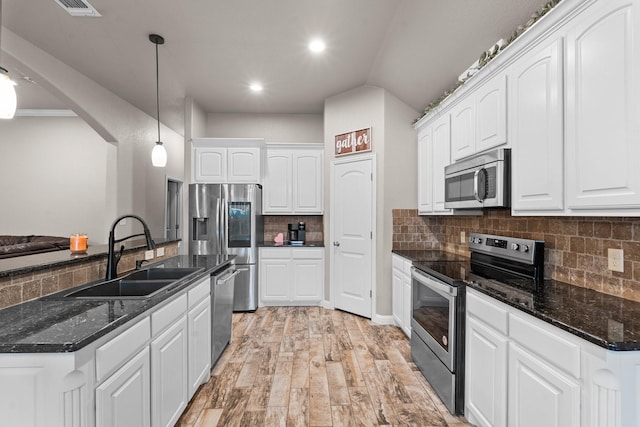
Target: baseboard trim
[[383, 319], [326, 304]]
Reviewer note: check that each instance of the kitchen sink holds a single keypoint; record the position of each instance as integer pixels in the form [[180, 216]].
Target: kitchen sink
[[137, 285]]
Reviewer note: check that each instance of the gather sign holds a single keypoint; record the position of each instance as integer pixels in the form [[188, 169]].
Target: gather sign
[[353, 142]]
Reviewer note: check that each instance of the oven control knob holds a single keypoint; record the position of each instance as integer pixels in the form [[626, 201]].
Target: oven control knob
[[525, 248], [515, 246]]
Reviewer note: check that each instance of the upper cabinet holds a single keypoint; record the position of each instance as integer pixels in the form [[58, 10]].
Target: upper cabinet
[[535, 121], [434, 153], [293, 179], [479, 120], [602, 107], [227, 160]]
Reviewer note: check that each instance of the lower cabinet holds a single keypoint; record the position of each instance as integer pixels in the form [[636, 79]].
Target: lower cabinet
[[521, 371], [401, 292], [123, 400], [291, 276], [169, 374], [199, 327]]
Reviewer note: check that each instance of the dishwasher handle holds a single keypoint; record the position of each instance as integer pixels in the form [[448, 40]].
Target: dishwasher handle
[[224, 279]]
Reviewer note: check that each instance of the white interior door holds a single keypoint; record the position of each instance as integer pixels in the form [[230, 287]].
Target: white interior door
[[352, 213]]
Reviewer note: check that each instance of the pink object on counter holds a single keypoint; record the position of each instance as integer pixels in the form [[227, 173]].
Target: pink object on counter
[[279, 238]]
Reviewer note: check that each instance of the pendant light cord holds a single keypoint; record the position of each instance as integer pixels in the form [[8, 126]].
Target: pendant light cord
[[157, 91]]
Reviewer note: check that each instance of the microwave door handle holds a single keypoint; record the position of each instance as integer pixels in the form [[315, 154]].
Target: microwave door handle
[[479, 196]]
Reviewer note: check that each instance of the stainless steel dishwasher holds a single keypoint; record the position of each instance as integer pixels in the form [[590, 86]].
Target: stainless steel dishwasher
[[222, 305]]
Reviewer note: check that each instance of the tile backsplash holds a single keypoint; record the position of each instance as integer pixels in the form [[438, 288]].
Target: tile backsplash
[[274, 224], [576, 248]]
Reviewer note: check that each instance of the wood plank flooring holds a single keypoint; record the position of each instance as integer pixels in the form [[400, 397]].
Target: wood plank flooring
[[309, 366]]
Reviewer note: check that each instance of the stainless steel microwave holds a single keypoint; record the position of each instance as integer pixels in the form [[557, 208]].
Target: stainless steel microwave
[[481, 181]]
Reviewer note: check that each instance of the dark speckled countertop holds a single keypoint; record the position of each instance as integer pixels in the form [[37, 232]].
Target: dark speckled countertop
[[605, 320], [288, 245], [53, 325]]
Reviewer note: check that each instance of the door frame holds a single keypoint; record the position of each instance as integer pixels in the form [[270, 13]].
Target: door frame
[[180, 182], [371, 157]]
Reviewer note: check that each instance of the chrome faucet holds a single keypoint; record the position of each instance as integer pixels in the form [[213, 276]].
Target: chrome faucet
[[114, 258]]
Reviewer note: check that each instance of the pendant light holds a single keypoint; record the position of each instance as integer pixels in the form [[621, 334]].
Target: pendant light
[[159, 153], [8, 99]]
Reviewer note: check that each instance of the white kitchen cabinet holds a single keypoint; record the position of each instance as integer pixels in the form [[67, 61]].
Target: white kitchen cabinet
[[434, 153], [227, 160], [479, 120], [519, 370], [536, 118], [123, 400], [539, 394], [291, 276], [169, 374], [486, 346], [293, 179], [401, 292], [199, 327], [603, 108]]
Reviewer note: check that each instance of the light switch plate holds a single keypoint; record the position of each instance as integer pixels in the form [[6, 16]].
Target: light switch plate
[[148, 254], [616, 260], [463, 237], [160, 252]]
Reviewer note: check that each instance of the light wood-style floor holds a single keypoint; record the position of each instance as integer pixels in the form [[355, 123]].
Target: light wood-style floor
[[309, 366]]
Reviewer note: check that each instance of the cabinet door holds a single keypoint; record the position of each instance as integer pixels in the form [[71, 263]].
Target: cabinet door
[[397, 302], [243, 165], [210, 164], [485, 375], [123, 399], [463, 128], [199, 324], [538, 394], [406, 303], [441, 158], [278, 189], [491, 113], [603, 99], [307, 280], [169, 376], [537, 135], [275, 279], [425, 171], [307, 181]]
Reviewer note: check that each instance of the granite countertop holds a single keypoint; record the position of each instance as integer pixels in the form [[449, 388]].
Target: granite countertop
[[53, 325], [288, 245], [605, 320], [30, 263]]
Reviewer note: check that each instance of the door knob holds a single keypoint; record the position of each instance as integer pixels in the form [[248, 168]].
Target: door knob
[[336, 243]]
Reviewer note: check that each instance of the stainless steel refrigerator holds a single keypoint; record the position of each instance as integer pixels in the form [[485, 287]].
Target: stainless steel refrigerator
[[227, 219]]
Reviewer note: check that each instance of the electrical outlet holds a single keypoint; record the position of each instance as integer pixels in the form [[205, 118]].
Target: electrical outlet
[[160, 252], [148, 254], [463, 237], [616, 260]]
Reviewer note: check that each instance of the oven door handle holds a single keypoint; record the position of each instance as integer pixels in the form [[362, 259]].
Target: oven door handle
[[442, 288]]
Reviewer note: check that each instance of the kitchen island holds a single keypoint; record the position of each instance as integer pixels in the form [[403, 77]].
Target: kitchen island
[[91, 362]]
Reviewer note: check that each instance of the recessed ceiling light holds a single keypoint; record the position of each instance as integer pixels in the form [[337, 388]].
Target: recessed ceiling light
[[317, 45], [255, 87]]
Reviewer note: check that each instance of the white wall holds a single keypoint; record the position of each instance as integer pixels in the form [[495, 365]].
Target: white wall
[[139, 187], [271, 127], [53, 177], [394, 142]]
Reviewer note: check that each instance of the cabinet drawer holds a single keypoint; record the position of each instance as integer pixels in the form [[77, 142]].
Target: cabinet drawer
[[168, 314], [275, 253], [488, 312], [540, 339], [116, 352], [198, 293], [397, 262], [307, 253]]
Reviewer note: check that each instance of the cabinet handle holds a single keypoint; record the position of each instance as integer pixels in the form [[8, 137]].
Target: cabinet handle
[[336, 244]]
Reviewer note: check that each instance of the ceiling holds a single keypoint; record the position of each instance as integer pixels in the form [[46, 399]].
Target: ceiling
[[415, 49]]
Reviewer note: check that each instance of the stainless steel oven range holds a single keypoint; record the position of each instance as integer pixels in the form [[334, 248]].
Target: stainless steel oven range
[[438, 304]]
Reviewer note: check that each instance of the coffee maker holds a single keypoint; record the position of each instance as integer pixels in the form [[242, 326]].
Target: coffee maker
[[296, 233]]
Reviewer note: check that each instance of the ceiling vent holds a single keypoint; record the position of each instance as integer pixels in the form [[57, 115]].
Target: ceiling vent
[[78, 8]]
